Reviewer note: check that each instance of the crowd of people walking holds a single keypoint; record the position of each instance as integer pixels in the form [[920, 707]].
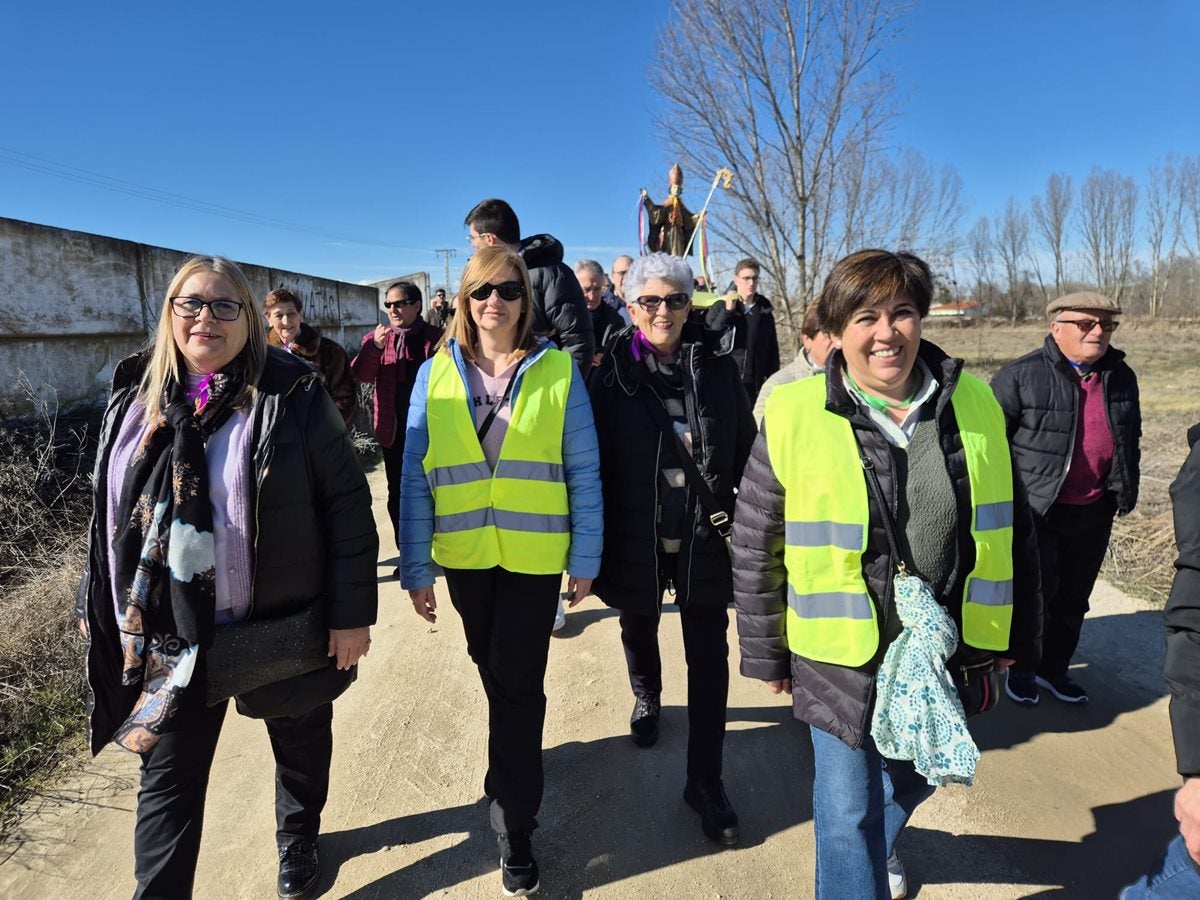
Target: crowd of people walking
[[901, 542]]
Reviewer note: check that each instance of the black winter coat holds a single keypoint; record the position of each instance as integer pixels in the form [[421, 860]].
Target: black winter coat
[[631, 446], [559, 310], [757, 358], [315, 531], [1041, 404], [1182, 615], [839, 699]]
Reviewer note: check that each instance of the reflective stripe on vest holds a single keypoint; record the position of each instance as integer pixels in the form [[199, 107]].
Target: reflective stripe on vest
[[517, 517], [831, 615]]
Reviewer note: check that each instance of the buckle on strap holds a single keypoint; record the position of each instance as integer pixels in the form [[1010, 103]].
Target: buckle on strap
[[719, 520]]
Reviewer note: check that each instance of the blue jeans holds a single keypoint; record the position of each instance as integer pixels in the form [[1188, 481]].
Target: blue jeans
[[1174, 877], [860, 804]]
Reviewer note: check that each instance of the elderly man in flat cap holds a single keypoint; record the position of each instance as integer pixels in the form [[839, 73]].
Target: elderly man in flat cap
[[1074, 423]]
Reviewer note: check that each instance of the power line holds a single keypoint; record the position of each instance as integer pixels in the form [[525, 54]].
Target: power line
[[447, 252], [83, 176]]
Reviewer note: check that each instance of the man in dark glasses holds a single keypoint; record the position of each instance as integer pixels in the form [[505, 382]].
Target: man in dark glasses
[[559, 310], [1074, 423], [389, 359]]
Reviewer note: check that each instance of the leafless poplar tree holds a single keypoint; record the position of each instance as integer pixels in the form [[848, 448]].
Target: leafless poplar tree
[[1050, 217], [791, 95], [1107, 207], [980, 251], [1164, 206], [1012, 246]]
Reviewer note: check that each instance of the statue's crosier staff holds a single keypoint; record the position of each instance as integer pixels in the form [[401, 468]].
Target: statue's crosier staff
[[723, 178]]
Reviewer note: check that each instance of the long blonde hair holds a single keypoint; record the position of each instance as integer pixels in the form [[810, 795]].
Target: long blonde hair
[[165, 359], [487, 264]]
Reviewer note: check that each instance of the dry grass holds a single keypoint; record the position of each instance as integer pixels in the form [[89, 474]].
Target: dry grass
[[1142, 553]]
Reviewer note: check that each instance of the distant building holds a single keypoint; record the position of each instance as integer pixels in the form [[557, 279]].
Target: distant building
[[963, 309]]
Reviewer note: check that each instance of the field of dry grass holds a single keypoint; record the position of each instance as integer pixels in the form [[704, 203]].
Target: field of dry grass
[[1164, 356]]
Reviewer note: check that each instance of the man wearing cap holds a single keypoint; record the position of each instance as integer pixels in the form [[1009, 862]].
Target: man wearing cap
[[1074, 422]]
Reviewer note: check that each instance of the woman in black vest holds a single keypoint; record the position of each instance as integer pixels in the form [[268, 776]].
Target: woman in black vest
[[665, 389]]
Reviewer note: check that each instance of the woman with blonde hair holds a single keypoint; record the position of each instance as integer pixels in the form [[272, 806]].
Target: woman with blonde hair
[[501, 488], [229, 511]]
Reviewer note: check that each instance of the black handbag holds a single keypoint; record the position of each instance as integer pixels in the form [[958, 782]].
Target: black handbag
[[977, 681]]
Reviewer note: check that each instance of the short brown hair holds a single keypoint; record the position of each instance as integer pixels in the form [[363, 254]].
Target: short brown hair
[[872, 278], [810, 325], [281, 295], [747, 263], [486, 265]]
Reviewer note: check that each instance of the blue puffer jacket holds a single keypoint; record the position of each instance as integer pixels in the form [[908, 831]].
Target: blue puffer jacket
[[581, 462]]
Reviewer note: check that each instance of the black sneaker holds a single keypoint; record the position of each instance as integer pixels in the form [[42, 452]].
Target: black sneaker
[[1064, 689], [518, 868], [717, 818], [643, 724], [299, 870], [1021, 687]]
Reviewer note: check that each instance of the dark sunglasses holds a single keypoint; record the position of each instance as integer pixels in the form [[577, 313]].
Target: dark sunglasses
[[1086, 325], [674, 301], [508, 290], [392, 304]]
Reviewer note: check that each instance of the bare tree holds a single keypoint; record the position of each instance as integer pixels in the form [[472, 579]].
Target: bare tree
[[980, 248], [1050, 217], [792, 95], [1012, 246], [1189, 189], [1107, 207], [1164, 206]]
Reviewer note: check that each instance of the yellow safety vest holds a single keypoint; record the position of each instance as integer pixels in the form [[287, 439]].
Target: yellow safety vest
[[831, 617], [516, 517]]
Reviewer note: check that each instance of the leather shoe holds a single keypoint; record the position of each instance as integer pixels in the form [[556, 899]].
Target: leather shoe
[[717, 818], [299, 870], [643, 723]]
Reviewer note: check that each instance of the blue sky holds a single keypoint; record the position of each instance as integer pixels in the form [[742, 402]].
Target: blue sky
[[380, 124]]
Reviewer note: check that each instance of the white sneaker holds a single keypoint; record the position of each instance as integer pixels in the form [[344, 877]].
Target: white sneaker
[[560, 617], [896, 880]]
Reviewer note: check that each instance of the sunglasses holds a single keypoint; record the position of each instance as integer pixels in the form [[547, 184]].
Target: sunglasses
[[393, 304], [1086, 325], [508, 290], [650, 303]]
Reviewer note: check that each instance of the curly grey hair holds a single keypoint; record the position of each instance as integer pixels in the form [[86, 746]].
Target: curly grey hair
[[671, 269]]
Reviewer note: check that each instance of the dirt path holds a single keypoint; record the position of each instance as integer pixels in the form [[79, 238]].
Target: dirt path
[[1070, 802]]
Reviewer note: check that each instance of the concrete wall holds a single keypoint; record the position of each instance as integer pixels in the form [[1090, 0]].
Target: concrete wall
[[72, 305], [420, 279]]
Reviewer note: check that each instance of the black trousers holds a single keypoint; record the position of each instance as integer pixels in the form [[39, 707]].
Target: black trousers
[[1072, 541], [707, 653], [393, 464], [170, 808], [507, 618]]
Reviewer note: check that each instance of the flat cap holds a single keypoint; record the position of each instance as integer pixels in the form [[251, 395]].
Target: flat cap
[[1082, 300]]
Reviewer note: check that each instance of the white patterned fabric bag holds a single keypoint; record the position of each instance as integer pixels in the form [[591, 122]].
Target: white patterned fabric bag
[[918, 715]]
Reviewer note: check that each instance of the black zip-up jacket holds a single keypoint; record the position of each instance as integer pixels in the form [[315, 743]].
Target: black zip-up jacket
[[1182, 615], [559, 309], [314, 531], [757, 356], [839, 699], [631, 450], [1041, 405]]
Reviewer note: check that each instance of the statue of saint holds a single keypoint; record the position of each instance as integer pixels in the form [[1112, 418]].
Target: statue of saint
[[672, 223]]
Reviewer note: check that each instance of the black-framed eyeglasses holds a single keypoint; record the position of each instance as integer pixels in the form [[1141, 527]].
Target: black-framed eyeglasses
[[394, 304], [221, 308], [508, 291], [650, 303], [1086, 325]]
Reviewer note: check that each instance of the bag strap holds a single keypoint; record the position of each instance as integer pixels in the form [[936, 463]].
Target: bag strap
[[889, 525], [486, 425], [717, 515]]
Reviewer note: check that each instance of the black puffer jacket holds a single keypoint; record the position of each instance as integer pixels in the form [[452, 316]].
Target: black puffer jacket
[[631, 447], [839, 699], [559, 310], [1041, 404], [1182, 615], [315, 531]]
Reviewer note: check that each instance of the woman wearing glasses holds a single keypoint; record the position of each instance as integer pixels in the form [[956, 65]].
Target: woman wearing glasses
[[501, 489], [226, 490], [388, 360], [668, 394]]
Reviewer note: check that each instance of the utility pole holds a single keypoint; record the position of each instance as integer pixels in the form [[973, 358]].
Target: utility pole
[[447, 252]]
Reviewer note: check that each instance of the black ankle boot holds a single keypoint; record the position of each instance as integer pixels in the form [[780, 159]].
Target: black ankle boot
[[643, 724], [299, 870], [717, 818]]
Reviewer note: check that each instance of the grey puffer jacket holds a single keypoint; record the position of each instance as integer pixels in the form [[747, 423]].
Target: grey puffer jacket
[[839, 699], [1041, 405], [315, 534]]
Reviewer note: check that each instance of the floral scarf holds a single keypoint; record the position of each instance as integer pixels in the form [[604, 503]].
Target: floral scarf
[[164, 554]]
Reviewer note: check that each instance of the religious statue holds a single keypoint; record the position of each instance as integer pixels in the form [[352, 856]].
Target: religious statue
[[672, 224]]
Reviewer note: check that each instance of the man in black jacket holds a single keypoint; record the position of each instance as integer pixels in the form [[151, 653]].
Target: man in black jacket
[[559, 311], [1074, 421], [1177, 874], [755, 342]]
